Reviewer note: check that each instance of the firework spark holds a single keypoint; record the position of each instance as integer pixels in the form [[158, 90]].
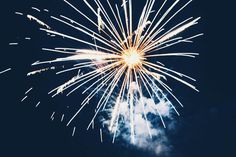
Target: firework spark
[[123, 63]]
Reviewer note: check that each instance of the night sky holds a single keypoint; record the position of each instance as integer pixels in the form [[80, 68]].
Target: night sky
[[206, 127]]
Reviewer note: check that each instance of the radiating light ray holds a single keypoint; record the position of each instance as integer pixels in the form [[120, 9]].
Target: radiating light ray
[[158, 23], [104, 41], [113, 83], [148, 78], [117, 19], [110, 23], [76, 39], [193, 55], [81, 13], [142, 102], [91, 92], [171, 33], [186, 40], [94, 33], [112, 32]]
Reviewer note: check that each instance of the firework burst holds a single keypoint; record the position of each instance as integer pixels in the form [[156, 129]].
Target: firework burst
[[123, 62]]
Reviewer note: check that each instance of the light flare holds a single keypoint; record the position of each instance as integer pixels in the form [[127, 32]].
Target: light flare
[[132, 58]]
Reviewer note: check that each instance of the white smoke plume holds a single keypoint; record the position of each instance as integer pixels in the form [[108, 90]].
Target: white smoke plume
[[150, 129]]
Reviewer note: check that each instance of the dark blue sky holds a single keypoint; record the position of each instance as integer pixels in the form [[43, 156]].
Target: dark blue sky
[[206, 127]]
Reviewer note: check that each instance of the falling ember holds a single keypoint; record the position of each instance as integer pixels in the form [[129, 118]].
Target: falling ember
[[38, 104], [101, 137], [123, 62], [4, 71], [27, 38], [52, 116], [46, 10], [18, 13], [30, 17], [29, 90], [62, 117], [73, 133], [13, 44], [34, 8], [24, 98]]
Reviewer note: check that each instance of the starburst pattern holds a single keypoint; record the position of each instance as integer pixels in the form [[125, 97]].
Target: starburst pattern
[[123, 62]]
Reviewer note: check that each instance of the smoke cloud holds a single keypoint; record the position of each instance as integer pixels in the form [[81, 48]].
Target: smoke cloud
[[149, 118]]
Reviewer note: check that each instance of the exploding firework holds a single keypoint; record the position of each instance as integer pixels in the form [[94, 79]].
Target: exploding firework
[[123, 63]]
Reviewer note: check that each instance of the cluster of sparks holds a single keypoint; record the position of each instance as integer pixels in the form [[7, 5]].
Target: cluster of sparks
[[124, 56]]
